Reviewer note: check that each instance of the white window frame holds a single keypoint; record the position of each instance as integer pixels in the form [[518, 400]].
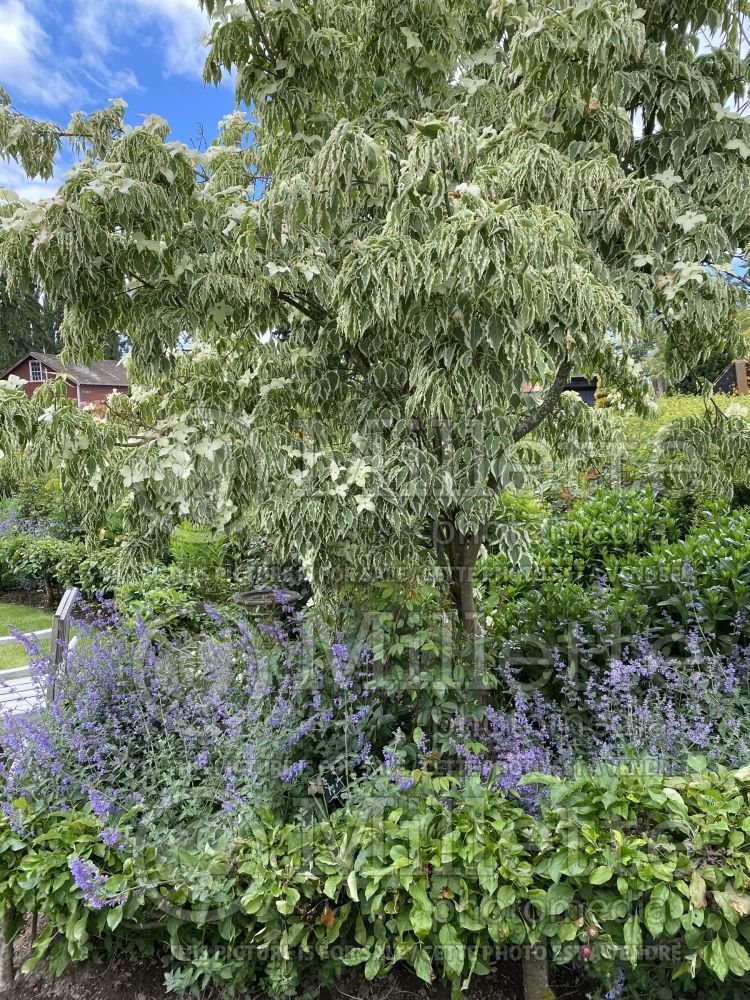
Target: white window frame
[[36, 371]]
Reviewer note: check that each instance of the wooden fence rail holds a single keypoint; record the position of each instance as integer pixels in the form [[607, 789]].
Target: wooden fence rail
[[44, 633], [61, 635]]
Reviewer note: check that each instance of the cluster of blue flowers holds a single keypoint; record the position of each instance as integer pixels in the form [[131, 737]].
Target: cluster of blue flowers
[[246, 716], [92, 884], [641, 704], [11, 523]]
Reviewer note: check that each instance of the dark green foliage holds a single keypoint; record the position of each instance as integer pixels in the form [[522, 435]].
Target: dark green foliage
[[424, 674], [707, 371], [442, 878], [579, 542], [47, 562], [97, 575], [41, 499], [613, 568], [251, 563], [169, 600], [702, 580], [27, 323], [653, 981], [609, 525]]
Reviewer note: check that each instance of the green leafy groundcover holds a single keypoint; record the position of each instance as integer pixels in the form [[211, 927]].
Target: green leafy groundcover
[[620, 868]]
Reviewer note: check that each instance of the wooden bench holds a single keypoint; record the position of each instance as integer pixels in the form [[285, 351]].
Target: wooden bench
[[17, 692]]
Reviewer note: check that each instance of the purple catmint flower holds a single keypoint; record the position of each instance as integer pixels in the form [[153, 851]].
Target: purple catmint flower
[[395, 770], [100, 804], [12, 524], [290, 773], [640, 704], [618, 988], [91, 882], [112, 837], [133, 721], [341, 675], [359, 715]]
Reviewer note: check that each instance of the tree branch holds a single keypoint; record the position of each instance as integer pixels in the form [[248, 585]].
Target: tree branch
[[648, 128], [532, 421], [259, 29], [318, 316]]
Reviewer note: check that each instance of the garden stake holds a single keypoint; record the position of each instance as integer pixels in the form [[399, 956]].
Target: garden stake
[[536, 973], [6, 951]]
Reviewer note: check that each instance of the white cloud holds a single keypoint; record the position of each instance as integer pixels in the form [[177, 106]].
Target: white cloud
[[13, 177], [27, 61], [174, 28], [75, 55], [183, 26], [56, 56]]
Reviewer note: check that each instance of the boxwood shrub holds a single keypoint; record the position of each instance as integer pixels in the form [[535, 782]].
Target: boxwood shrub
[[620, 868]]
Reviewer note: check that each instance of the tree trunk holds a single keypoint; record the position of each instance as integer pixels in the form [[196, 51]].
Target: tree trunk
[[457, 553], [536, 973], [462, 592]]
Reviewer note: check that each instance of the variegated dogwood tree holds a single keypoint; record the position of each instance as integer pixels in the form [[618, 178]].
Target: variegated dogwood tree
[[431, 208]]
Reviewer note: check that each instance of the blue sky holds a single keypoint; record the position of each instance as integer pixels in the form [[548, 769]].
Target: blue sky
[[59, 56]]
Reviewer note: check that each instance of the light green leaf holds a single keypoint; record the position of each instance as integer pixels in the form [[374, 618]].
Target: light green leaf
[[351, 885], [452, 949], [697, 891], [633, 939], [423, 966], [737, 957], [412, 39], [742, 148], [716, 959], [421, 921]]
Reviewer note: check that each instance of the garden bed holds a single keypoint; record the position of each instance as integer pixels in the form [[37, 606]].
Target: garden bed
[[123, 980], [334, 807], [120, 980], [25, 598]]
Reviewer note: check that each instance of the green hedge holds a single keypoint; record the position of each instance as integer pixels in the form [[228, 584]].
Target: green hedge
[[649, 581], [445, 877], [41, 561]]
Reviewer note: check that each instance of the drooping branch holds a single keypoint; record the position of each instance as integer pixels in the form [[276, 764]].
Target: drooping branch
[[261, 33], [648, 128], [313, 312], [532, 421]]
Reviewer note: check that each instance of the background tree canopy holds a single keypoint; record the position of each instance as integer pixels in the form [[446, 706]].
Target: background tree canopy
[[27, 324], [440, 204]]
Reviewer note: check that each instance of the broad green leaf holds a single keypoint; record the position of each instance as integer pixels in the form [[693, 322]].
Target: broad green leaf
[[423, 966], [600, 875], [452, 950], [351, 885], [697, 891]]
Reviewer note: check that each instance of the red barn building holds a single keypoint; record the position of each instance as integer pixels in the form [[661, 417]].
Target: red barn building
[[86, 385]]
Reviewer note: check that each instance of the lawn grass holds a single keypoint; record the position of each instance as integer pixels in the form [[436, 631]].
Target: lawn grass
[[25, 619]]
